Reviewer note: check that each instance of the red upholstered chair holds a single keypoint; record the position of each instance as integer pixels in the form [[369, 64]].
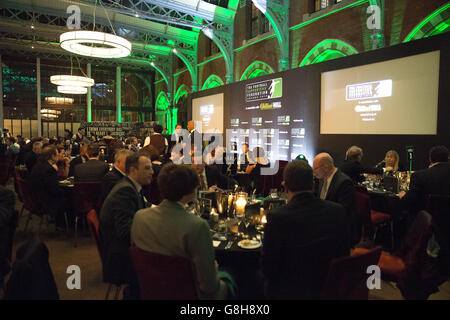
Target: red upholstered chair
[[377, 218], [347, 276], [28, 200], [163, 277], [86, 196], [393, 268], [362, 207], [94, 227]]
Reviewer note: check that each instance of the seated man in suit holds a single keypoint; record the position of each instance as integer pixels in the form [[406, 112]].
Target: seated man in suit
[[93, 169], [116, 217], [301, 238], [82, 158], [32, 156], [169, 229], [434, 180], [44, 181], [352, 165], [336, 186], [210, 176], [117, 172]]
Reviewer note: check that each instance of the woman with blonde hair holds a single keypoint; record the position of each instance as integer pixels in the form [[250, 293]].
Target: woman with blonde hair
[[391, 162]]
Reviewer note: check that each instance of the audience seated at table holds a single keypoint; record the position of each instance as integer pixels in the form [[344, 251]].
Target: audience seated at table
[[433, 180], [116, 216], [301, 238], [352, 165], [169, 229], [254, 170], [82, 158], [93, 169], [391, 162], [336, 186], [45, 185], [117, 172]]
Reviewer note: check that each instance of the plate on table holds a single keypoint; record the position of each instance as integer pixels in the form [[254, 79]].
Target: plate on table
[[249, 244]]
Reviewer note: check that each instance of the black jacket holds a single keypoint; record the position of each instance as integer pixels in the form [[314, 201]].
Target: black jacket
[[354, 170], [30, 160], [8, 222], [92, 170], [341, 190], [116, 218], [300, 240], [76, 161], [434, 180], [110, 180], [46, 189], [215, 177], [32, 277]]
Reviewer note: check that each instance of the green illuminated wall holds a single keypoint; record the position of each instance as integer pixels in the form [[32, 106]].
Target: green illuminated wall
[[212, 82], [256, 69], [327, 50], [436, 23]]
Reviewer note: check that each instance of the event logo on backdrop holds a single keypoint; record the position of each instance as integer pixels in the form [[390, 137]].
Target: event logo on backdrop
[[264, 90]]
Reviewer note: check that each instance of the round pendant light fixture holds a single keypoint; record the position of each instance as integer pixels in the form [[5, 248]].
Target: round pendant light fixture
[[58, 100], [69, 80], [72, 89], [95, 44]]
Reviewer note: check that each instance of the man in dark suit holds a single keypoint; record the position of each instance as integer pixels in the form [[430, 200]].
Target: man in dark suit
[[301, 238], [434, 180], [336, 186], [93, 169], [82, 158], [352, 165], [45, 186], [117, 172], [195, 137], [116, 217], [210, 176], [32, 156]]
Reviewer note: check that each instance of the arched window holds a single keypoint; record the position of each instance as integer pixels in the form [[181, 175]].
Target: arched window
[[162, 109], [256, 69], [212, 82], [436, 23], [328, 49]]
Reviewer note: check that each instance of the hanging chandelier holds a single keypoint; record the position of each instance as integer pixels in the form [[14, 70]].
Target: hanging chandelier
[[95, 44], [58, 100], [69, 80], [72, 89]]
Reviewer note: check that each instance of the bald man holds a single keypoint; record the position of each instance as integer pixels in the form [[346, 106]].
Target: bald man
[[336, 186]]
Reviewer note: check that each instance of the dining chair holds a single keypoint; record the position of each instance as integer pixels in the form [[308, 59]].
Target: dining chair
[[412, 269], [347, 276], [94, 226], [378, 219], [163, 277], [86, 196]]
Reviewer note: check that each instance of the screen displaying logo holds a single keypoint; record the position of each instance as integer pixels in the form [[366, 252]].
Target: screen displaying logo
[[264, 90], [369, 90], [206, 110]]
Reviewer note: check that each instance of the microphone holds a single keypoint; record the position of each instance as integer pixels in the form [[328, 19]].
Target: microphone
[[380, 163]]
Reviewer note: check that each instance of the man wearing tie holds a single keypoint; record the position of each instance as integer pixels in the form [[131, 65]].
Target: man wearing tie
[[336, 186], [116, 217]]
